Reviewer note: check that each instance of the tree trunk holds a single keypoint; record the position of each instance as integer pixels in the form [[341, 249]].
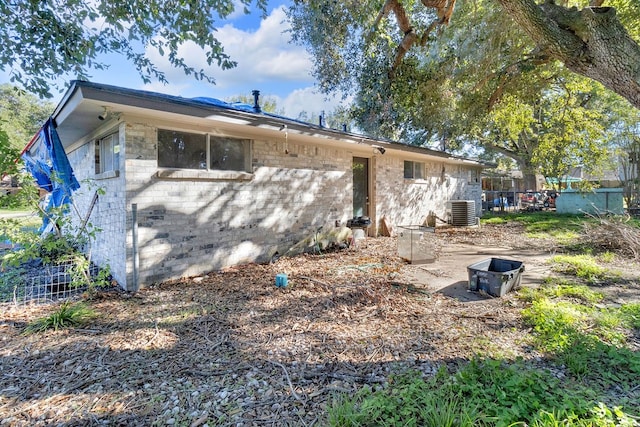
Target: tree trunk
[[529, 177], [591, 42]]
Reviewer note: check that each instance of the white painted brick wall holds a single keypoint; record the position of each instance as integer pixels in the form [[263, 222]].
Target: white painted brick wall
[[189, 227]]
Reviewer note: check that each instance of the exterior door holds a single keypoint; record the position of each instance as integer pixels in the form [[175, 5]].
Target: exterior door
[[360, 186]]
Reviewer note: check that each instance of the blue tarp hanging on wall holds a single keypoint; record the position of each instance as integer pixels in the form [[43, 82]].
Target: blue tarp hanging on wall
[[45, 159]]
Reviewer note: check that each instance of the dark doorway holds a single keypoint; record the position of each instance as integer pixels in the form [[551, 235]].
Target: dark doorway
[[360, 186]]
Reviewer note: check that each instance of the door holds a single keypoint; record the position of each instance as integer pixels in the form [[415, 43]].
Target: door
[[360, 186]]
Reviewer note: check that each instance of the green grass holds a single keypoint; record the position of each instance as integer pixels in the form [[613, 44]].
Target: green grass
[[607, 257], [26, 223], [558, 287], [67, 315], [564, 228], [588, 338], [583, 266], [14, 210], [579, 336], [482, 393]]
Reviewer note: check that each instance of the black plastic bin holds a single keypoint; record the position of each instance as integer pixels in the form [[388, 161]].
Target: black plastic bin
[[495, 276]]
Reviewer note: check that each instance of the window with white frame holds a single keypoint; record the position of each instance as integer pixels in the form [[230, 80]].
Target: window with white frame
[[185, 150], [413, 170], [107, 153], [474, 176]]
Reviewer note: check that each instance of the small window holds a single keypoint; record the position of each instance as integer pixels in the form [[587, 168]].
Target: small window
[[230, 154], [413, 170], [107, 153], [182, 150]]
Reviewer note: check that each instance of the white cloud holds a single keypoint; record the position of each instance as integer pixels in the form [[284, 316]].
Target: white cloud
[[266, 61], [309, 100], [263, 56], [238, 10]]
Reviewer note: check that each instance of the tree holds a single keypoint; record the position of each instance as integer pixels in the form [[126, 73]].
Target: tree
[[339, 118], [42, 40], [481, 80], [21, 114], [591, 41], [267, 103], [8, 155], [550, 134], [594, 41], [626, 134]]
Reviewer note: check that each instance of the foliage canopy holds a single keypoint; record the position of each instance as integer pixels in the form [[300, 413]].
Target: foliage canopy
[[42, 40]]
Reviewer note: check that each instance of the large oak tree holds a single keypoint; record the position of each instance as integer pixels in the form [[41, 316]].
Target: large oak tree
[[591, 41], [596, 40], [459, 73]]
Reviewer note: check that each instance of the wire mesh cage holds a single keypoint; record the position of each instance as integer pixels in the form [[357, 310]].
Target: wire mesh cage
[[36, 283]]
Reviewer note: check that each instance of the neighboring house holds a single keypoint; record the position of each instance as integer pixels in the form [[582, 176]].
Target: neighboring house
[[608, 178], [495, 181], [195, 185]]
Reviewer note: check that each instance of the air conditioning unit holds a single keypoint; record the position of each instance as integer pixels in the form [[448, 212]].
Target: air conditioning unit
[[461, 213]]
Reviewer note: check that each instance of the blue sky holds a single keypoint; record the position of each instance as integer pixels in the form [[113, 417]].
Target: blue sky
[[266, 61]]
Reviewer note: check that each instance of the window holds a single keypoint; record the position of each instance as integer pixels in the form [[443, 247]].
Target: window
[[108, 153], [413, 170], [474, 176], [183, 150], [230, 154]]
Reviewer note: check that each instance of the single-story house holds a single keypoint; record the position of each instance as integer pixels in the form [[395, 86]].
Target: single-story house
[[195, 185]]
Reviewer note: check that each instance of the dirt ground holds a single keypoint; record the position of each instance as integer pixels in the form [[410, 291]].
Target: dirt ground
[[230, 348]]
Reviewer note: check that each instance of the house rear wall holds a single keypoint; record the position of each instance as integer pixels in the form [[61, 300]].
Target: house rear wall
[[189, 227], [192, 226], [409, 201]]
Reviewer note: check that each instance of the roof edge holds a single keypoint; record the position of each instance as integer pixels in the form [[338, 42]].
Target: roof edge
[[79, 85]]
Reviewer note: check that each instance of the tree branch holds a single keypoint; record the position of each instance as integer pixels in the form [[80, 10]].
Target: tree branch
[[444, 10], [506, 73], [591, 42]]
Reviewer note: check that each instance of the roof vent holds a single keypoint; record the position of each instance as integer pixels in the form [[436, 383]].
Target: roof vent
[[256, 101]]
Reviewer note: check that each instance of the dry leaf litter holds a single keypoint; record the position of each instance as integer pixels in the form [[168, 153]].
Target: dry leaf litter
[[231, 349]]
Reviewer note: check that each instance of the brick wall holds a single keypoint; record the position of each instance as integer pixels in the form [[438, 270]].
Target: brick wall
[[108, 213], [191, 226], [408, 201], [191, 223]]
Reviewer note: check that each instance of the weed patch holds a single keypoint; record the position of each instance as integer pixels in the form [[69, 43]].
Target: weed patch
[[582, 266], [65, 316], [561, 288], [483, 393], [589, 340]]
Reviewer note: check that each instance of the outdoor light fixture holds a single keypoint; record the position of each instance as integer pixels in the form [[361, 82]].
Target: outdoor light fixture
[[104, 115], [379, 149]]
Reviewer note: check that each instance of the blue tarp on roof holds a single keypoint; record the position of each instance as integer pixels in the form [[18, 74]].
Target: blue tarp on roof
[[46, 160], [233, 105]]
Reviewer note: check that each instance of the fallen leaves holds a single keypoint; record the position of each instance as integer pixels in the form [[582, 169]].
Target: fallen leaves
[[231, 348]]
